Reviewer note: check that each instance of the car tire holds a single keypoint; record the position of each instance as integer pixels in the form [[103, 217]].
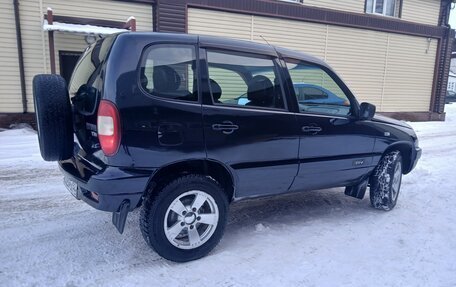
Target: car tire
[[53, 117], [186, 219], [386, 181]]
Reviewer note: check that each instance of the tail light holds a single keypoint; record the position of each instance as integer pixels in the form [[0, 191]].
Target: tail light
[[108, 125]]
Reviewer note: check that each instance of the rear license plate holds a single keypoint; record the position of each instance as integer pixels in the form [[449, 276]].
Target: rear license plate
[[71, 186]]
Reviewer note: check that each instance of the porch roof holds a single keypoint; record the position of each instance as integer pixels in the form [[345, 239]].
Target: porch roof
[[79, 28]]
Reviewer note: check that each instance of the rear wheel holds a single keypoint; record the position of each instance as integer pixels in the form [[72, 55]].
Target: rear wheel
[[53, 117], [386, 181], [186, 219]]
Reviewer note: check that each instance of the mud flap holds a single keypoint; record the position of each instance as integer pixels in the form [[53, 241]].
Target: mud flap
[[120, 217], [358, 190]]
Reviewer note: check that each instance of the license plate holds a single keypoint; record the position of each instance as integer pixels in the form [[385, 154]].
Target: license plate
[[71, 186]]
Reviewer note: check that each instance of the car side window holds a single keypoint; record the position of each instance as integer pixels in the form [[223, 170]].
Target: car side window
[[244, 80], [169, 71], [316, 91]]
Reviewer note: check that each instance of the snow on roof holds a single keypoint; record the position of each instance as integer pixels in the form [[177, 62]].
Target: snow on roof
[[78, 28], [452, 74]]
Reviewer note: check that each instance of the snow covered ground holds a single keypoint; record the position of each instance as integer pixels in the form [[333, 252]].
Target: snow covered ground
[[47, 238]]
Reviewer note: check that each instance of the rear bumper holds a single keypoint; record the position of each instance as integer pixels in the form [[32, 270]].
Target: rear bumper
[[111, 185]]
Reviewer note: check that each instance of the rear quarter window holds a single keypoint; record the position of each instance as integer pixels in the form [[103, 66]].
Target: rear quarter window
[[169, 71]]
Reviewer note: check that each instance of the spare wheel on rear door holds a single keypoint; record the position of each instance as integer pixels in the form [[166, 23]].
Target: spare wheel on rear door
[[53, 117]]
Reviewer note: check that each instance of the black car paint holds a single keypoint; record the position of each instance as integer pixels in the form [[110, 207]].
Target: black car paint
[[271, 152]]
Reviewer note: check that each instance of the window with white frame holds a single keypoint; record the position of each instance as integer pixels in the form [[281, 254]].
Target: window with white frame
[[383, 7]]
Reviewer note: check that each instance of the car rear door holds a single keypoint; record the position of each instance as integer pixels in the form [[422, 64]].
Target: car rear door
[[158, 99], [246, 122], [335, 149]]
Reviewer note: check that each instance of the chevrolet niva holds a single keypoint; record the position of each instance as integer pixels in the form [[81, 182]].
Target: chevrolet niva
[[154, 121]]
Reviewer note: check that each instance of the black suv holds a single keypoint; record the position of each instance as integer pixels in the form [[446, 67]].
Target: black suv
[[182, 125]]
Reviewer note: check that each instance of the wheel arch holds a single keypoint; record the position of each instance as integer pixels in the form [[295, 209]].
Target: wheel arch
[[216, 170], [405, 148]]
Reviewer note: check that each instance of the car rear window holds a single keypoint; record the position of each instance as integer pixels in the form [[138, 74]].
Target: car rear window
[[86, 82]]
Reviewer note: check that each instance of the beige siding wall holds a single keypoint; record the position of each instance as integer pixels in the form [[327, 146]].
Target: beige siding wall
[[393, 71], [10, 88], [35, 41], [409, 73], [240, 25], [421, 11], [356, 6], [359, 56], [285, 32]]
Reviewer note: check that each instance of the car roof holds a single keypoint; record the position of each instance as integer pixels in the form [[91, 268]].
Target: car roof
[[228, 43]]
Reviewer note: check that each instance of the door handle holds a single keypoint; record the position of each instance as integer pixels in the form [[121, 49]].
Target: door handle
[[227, 127], [311, 129]]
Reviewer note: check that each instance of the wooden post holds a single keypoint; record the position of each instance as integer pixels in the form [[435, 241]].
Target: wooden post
[[50, 19]]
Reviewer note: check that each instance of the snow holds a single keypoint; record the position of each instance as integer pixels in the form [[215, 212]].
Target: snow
[[322, 238], [78, 28]]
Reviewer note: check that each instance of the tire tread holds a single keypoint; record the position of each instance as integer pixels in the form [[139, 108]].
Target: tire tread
[[53, 117]]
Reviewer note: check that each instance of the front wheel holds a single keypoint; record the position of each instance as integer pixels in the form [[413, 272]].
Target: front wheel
[[386, 181], [186, 219]]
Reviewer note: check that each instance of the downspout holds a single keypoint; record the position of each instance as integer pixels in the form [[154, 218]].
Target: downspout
[[20, 55]]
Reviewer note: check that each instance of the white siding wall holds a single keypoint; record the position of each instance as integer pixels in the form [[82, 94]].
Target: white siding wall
[[35, 41], [393, 71], [10, 88]]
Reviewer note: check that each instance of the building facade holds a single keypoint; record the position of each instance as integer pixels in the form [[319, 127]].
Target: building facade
[[393, 53]]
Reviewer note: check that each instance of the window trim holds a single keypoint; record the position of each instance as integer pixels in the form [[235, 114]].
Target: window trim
[[143, 59], [354, 104], [373, 12], [277, 66]]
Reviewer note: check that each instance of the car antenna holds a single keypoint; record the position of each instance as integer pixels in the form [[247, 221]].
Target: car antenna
[[269, 44]]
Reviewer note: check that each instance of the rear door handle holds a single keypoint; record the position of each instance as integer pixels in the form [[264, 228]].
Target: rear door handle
[[311, 129], [227, 127]]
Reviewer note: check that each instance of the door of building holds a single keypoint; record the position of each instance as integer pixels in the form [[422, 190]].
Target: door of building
[[68, 61]]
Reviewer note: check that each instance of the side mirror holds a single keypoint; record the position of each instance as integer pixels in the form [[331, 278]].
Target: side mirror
[[366, 111]]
